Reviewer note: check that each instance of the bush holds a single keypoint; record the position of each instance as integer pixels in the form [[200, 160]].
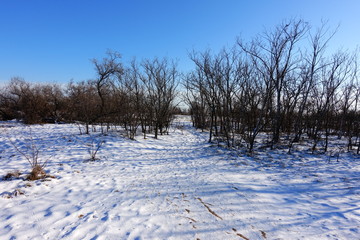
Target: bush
[[31, 153], [94, 147]]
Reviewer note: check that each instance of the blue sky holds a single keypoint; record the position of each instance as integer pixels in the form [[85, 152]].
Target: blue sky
[[53, 40]]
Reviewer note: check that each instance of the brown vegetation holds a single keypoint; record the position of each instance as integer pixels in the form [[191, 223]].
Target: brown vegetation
[[141, 95]]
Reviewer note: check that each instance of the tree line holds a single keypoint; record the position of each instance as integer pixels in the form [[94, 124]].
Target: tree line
[[139, 96], [282, 84]]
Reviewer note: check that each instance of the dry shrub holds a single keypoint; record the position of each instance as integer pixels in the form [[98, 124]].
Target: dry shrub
[[31, 151], [94, 147], [36, 173]]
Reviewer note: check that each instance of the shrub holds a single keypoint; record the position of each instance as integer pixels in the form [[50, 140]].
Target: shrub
[[94, 147], [36, 173], [31, 153]]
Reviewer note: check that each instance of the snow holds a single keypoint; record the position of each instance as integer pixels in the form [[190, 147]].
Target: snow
[[175, 187]]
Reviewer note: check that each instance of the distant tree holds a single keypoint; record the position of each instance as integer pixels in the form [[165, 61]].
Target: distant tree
[[160, 79], [134, 100], [204, 81], [108, 70], [195, 99], [83, 100], [11, 97]]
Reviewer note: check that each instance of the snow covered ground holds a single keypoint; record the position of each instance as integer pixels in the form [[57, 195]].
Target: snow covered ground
[[176, 187]]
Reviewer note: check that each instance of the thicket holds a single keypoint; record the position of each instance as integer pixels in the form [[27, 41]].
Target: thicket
[[282, 84], [139, 96]]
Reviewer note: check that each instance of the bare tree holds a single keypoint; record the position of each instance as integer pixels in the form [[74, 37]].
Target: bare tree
[[253, 103], [83, 100], [160, 79], [134, 100], [275, 53], [107, 70], [325, 98], [195, 99], [206, 74], [309, 76]]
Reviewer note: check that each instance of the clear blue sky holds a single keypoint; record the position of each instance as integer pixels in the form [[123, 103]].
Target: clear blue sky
[[53, 41]]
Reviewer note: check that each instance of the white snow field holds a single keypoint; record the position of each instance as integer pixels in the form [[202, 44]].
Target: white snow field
[[176, 187]]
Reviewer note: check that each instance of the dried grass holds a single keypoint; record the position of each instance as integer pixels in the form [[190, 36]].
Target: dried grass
[[12, 175]]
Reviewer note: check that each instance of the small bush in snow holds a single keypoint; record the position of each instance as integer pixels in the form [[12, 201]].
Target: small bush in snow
[[94, 147], [30, 150], [36, 173]]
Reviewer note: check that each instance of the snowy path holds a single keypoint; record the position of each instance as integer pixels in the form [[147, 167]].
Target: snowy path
[[176, 187]]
